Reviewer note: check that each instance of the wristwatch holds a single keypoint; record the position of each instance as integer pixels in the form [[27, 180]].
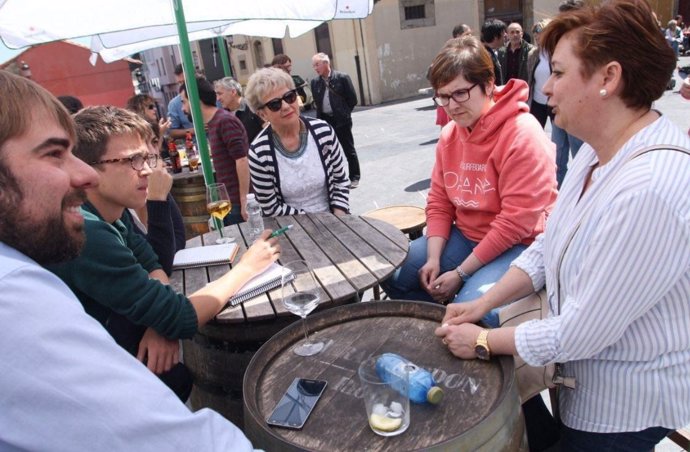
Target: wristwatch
[[481, 347]]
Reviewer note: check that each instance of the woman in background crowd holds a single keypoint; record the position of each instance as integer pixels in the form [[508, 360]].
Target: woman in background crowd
[[538, 71]]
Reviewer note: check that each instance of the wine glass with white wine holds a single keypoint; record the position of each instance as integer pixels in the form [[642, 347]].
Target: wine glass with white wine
[[300, 293], [218, 206]]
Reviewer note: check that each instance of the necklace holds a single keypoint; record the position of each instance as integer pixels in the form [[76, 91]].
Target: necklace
[[300, 148]]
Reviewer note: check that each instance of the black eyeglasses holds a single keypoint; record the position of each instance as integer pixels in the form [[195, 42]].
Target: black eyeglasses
[[136, 160], [459, 96], [151, 107], [274, 104]]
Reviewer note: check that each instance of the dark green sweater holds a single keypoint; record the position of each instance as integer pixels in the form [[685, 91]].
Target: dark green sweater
[[112, 276]]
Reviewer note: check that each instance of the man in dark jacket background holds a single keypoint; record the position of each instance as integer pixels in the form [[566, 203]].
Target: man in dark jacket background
[[335, 97], [492, 36], [513, 56]]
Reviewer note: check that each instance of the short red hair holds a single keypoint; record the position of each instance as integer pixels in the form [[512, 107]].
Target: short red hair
[[623, 31]]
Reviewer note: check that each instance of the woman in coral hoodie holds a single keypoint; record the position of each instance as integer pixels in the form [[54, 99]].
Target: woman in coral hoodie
[[492, 186]]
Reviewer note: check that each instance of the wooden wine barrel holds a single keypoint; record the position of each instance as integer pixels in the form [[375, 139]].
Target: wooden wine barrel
[[480, 410], [218, 356], [189, 191]]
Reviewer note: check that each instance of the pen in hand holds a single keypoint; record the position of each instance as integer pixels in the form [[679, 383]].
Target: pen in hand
[[280, 231]]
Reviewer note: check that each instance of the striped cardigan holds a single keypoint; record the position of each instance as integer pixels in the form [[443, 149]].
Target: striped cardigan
[[265, 175]]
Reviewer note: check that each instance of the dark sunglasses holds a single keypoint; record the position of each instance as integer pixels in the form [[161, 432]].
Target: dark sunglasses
[[274, 104], [151, 107]]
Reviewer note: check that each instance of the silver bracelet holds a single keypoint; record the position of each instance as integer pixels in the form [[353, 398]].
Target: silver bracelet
[[464, 276]]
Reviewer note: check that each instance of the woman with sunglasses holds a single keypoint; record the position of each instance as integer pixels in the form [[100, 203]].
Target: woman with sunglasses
[[296, 164], [492, 186], [145, 106]]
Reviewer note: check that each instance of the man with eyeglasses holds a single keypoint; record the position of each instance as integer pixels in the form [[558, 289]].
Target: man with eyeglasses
[[229, 144], [66, 385], [335, 98], [117, 274]]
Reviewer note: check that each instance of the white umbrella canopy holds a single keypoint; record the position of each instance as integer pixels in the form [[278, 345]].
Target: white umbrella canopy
[[118, 22], [117, 45]]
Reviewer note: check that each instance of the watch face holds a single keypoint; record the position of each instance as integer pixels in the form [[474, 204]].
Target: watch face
[[481, 351]]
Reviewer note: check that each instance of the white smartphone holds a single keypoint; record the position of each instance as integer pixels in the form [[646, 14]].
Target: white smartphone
[[299, 400]]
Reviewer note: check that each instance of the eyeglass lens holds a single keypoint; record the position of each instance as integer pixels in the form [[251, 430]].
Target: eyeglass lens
[[151, 107], [138, 161], [459, 96], [274, 104]]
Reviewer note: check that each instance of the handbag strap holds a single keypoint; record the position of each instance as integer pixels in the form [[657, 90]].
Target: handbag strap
[[646, 150]]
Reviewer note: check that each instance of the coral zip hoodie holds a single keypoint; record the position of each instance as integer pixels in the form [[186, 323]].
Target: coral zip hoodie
[[496, 182]]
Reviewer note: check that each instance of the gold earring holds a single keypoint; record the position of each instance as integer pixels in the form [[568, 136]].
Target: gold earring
[[603, 92]]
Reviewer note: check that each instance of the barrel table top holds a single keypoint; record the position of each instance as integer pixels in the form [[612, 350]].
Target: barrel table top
[[349, 254], [480, 409], [186, 173]]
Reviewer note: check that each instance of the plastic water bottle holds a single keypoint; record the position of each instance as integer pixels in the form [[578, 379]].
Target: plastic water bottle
[[255, 220], [421, 389]]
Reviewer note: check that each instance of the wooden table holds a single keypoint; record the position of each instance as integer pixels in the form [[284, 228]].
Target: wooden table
[[348, 254], [480, 409]]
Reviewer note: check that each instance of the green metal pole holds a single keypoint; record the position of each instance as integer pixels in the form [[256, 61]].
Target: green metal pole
[[193, 95], [224, 57]]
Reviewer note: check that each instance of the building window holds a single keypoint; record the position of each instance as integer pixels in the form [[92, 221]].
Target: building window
[[323, 39], [243, 64], [414, 12], [417, 13], [277, 46], [258, 54]]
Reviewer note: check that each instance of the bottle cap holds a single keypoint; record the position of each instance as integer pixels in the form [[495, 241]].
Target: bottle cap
[[434, 395]]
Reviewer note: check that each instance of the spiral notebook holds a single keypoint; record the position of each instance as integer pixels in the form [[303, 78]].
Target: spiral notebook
[[269, 279], [202, 256]]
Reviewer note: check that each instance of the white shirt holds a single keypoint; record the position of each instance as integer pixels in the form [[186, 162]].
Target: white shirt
[[541, 74], [624, 324], [303, 179], [67, 386]]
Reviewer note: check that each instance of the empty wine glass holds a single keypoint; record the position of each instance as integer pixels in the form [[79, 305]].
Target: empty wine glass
[[300, 293], [218, 206]]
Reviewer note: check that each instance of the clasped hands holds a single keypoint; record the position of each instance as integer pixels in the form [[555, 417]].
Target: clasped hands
[[458, 330], [442, 288]]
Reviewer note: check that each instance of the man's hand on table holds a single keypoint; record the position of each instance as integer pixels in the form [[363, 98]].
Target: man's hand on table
[[159, 354], [261, 254]]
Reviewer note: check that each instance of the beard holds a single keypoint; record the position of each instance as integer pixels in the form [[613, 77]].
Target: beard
[[48, 240]]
